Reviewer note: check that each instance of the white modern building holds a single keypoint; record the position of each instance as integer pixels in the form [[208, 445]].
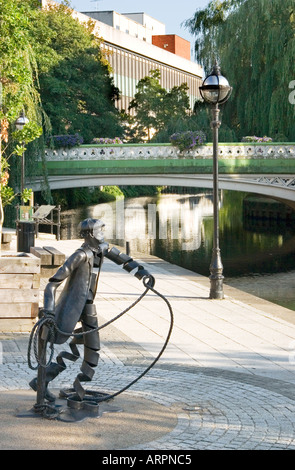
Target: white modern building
[[136, 43]]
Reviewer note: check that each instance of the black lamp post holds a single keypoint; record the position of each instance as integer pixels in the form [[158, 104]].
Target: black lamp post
[[215, 90], [25, 229], [21, 121]]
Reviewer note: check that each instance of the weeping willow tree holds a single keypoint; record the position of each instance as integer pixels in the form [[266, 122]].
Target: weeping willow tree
[[254, 42], [205, 25]]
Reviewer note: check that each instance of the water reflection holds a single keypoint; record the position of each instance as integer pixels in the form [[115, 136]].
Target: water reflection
[[146, 221], [179, 229]]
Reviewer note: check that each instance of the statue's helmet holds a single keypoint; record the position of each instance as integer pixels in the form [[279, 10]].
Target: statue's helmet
[[92, 228]]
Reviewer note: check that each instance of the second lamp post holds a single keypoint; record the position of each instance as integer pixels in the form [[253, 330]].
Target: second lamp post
[[215, 90], [21, 121]]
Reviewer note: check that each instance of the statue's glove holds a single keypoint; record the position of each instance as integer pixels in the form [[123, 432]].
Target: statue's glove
[[148, 279], [43, 312], [131, 266]]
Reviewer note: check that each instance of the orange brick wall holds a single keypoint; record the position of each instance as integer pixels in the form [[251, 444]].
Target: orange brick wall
[[174, 44]]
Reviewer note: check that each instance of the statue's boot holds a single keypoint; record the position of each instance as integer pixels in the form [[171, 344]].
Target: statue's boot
[[91, 347], [55, 368], [52, 371]]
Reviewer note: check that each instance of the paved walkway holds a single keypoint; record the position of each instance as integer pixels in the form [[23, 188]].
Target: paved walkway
[[225, 381]]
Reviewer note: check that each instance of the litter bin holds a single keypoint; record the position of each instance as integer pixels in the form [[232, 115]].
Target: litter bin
[[25, 236]]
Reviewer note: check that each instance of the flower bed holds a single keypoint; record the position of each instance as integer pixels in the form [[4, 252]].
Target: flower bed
[[65, 141], [188, 140], [107, 141], [254, 138]]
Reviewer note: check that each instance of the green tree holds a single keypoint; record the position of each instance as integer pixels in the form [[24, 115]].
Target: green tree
[[17, 63], [17, 87], [254, 41], [76, 89], [200, 119], [154, 106]]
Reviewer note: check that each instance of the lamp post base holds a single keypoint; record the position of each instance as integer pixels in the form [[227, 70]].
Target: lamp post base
[[216, 289], [216, 277]]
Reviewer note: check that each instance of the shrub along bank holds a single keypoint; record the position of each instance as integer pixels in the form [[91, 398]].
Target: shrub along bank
[[77, 197]]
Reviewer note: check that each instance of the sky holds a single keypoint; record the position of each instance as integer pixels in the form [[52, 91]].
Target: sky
[[170, 12]]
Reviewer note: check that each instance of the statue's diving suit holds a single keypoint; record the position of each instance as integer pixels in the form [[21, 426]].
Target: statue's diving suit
[[76, 301]]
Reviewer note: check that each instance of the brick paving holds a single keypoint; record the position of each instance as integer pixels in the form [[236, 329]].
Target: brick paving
[[228, 373]]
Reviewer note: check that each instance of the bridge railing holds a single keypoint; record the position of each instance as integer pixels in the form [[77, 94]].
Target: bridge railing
[[167, 151]]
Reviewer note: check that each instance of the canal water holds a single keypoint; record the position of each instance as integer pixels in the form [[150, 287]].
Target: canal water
[[257, 236]]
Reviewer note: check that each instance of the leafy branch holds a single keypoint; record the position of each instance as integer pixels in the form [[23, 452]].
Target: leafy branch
[[21, 138]]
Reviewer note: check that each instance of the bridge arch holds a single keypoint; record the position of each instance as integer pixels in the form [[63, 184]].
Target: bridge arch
[[229, 182]]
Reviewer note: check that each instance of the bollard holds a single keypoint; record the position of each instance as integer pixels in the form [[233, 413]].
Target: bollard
[[128, 248]]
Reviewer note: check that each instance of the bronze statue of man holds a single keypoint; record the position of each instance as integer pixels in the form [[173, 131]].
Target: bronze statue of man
[[76, 302]]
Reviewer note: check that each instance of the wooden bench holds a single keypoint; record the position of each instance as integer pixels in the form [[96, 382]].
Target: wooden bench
[[50, 257]]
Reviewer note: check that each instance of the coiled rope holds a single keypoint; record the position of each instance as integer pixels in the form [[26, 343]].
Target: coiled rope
[[49, 321]]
